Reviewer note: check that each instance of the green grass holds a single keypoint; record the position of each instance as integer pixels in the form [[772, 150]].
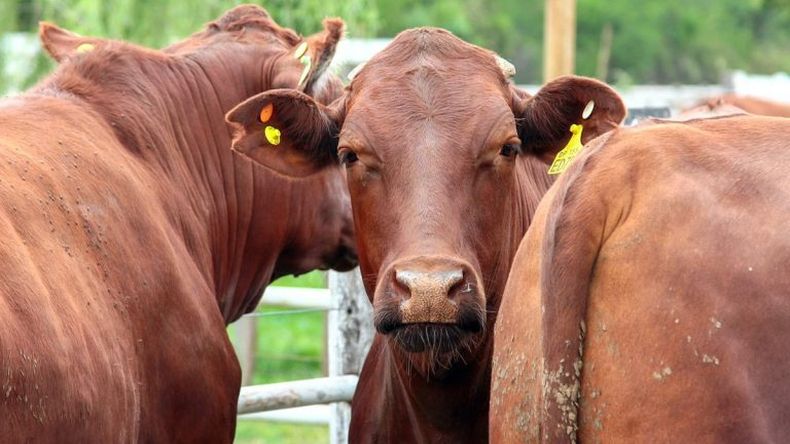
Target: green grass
[[248, 432], [290, 346]]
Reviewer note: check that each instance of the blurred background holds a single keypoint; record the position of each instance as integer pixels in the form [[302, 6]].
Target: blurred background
[[652, 52], [620, 41]]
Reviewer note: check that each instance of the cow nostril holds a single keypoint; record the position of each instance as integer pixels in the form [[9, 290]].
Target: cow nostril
[[466, 289]]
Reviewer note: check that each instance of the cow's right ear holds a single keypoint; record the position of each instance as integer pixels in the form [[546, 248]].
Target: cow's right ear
[[546, 117], [60, 43], [286, 131]]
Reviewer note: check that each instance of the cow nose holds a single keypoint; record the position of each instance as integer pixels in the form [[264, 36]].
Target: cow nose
[[429, 295]]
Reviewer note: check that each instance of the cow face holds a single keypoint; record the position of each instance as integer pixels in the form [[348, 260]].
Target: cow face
[[431, 134], [246, 50]]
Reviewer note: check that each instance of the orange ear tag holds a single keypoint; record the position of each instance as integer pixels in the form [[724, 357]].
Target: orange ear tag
[[266, 112], [85, 47], [272, 135]]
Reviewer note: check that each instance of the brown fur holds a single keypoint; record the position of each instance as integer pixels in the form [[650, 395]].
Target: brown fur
[[649, 299], [751, 105], [433, 195], [131, 234]]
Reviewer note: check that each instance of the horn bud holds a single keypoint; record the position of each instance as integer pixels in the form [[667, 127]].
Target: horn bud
[[507, 68]]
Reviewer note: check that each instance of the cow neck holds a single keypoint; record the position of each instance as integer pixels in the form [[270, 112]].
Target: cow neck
[[532, 182], [169, 112], [396, 404]]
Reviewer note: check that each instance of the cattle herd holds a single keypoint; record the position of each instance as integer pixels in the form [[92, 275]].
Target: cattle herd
[[148, 196]]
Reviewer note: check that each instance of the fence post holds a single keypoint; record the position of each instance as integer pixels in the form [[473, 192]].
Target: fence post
[[349, 334], [559, 38], [246, 346]]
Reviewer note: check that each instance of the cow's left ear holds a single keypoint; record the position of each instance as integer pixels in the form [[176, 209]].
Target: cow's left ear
[[546, 117], [286, 131], [312, 56], [60, 43]]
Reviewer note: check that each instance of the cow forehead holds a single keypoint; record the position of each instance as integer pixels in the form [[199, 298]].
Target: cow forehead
[[428, 74], [428, 99], [401, 112]]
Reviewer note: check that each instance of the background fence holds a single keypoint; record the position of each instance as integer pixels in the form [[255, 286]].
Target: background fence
[[349, 332]]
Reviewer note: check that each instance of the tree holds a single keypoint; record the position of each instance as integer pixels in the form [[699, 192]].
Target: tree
[[668, 41]]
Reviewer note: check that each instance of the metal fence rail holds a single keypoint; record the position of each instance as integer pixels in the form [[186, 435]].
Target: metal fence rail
[[282, 395], [307, 415], [349, 334]]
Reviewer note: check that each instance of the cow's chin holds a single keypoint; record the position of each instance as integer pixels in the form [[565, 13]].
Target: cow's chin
[[435, 349]]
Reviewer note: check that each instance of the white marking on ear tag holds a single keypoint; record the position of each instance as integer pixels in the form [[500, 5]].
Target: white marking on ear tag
[[588, 109], [300, 50]]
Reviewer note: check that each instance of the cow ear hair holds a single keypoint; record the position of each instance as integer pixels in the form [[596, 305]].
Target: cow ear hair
[[546, 118], [285, 130], [60, 43], [322, 48]]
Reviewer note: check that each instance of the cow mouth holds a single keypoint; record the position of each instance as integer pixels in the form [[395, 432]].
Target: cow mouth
[[345, 259], [416, 337], [438, 338]]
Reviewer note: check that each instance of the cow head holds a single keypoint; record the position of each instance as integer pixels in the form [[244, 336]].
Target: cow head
[[431, 134], [242, 53], [263, 52]]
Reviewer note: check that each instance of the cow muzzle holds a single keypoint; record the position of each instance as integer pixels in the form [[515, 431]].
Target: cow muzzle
[[420, 296], [429, 299]]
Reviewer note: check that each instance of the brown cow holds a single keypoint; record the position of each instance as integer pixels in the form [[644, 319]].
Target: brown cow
[[650, 298], [752, 105], [131, 234], [442, 189]]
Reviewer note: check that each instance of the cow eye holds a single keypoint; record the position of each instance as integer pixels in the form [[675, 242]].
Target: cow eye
[[347, 157], [509, 150]]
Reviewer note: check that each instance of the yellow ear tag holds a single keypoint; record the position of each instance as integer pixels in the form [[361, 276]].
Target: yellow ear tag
[[308, 64], [566, 155], [300, 50], [85, 47], [266, 113], [272, 135]]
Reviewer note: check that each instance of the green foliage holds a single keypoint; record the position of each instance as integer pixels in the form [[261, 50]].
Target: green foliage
[[684, 41], [669, 41], [155, 23], [268, 433], [314, 279], [289, 347]]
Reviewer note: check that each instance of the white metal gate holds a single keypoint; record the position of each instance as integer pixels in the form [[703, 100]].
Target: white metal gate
[[349, 334]]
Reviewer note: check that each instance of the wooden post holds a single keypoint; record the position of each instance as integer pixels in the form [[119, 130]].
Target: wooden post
[[246, 346], [559, 38], [349, 335]]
